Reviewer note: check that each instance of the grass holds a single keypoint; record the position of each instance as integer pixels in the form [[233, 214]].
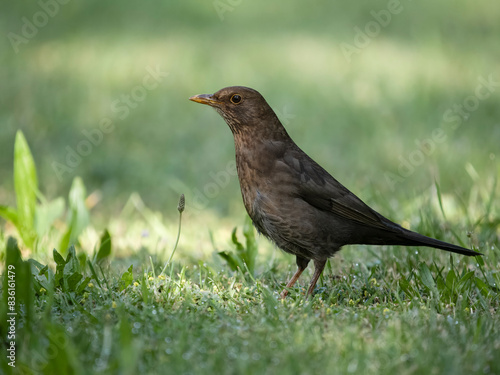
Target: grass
[[104, 306], [401, 311], [118, 309]]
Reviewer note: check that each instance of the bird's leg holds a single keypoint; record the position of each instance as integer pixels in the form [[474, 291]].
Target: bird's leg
[[319, 266], [301, 266]]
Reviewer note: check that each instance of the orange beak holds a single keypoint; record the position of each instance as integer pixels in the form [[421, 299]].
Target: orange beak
[[204, 99]]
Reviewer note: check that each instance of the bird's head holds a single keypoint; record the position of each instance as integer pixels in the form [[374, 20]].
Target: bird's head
[[242, 108]]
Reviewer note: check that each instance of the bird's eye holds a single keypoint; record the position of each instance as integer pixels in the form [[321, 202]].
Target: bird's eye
[[235, 99]]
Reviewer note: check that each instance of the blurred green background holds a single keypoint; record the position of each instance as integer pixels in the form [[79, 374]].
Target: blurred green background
[[357, 118]]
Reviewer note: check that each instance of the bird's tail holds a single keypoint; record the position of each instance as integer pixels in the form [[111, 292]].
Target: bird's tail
[[416, 239]]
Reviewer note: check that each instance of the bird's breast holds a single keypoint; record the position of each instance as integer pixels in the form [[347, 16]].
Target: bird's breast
[[256, 166], [265, 187]]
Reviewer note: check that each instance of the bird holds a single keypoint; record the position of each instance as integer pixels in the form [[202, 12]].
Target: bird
[[291, 199]]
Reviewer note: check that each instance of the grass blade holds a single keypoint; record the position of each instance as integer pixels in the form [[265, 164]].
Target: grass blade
[[26, 186]]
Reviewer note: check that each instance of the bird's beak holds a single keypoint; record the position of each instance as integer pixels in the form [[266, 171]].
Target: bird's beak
[[204, 99]]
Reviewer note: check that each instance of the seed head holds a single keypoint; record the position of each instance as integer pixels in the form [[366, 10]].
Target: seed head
[[182, 203]]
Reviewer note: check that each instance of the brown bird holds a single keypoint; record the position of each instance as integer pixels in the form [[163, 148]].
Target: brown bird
[[291, 199]]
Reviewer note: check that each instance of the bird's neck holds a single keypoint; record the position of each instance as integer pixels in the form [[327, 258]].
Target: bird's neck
[[263, 130], [257, 148]]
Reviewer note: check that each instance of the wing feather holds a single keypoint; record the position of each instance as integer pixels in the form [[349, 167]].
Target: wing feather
[[321, 190]]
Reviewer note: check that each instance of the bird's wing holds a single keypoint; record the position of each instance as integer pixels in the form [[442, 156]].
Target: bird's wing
[[318, 188]]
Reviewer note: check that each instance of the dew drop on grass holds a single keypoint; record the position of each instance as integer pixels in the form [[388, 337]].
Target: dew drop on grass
[[353, 366], [169, 351], [255, 356], [231, 353], [244, 356], [137, 325], [153, 312], [168, 340]]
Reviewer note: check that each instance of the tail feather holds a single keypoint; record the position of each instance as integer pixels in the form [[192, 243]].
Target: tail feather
[[416, 239]]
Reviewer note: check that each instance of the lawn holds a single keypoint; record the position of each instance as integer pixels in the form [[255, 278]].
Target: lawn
[[398, 100]]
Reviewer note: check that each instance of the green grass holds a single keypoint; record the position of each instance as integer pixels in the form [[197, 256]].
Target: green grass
[[376, 310], [122, 305], [390, 310]]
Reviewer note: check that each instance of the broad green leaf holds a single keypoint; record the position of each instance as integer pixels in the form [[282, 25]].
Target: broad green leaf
[[480, 261], [82, 259], [10, 214], [26, 186], [105, 247], [78, 216], [441, 285], [73, 280], [451, 280], [426, 277], [127, 278], [58, 258], [40, 282], [72, 262], [43, 271], [482, 286], [23, 280], [406, 287], [12, 262], [83, 285], [13, 253], [465, 278], [233, 261], [40, 275], [46, 214], [65, 239], [37, 268], [234, 238], [60, 263], [79, 212]]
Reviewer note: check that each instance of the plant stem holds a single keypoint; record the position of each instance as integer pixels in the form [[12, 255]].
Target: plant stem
[[180, 208]]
